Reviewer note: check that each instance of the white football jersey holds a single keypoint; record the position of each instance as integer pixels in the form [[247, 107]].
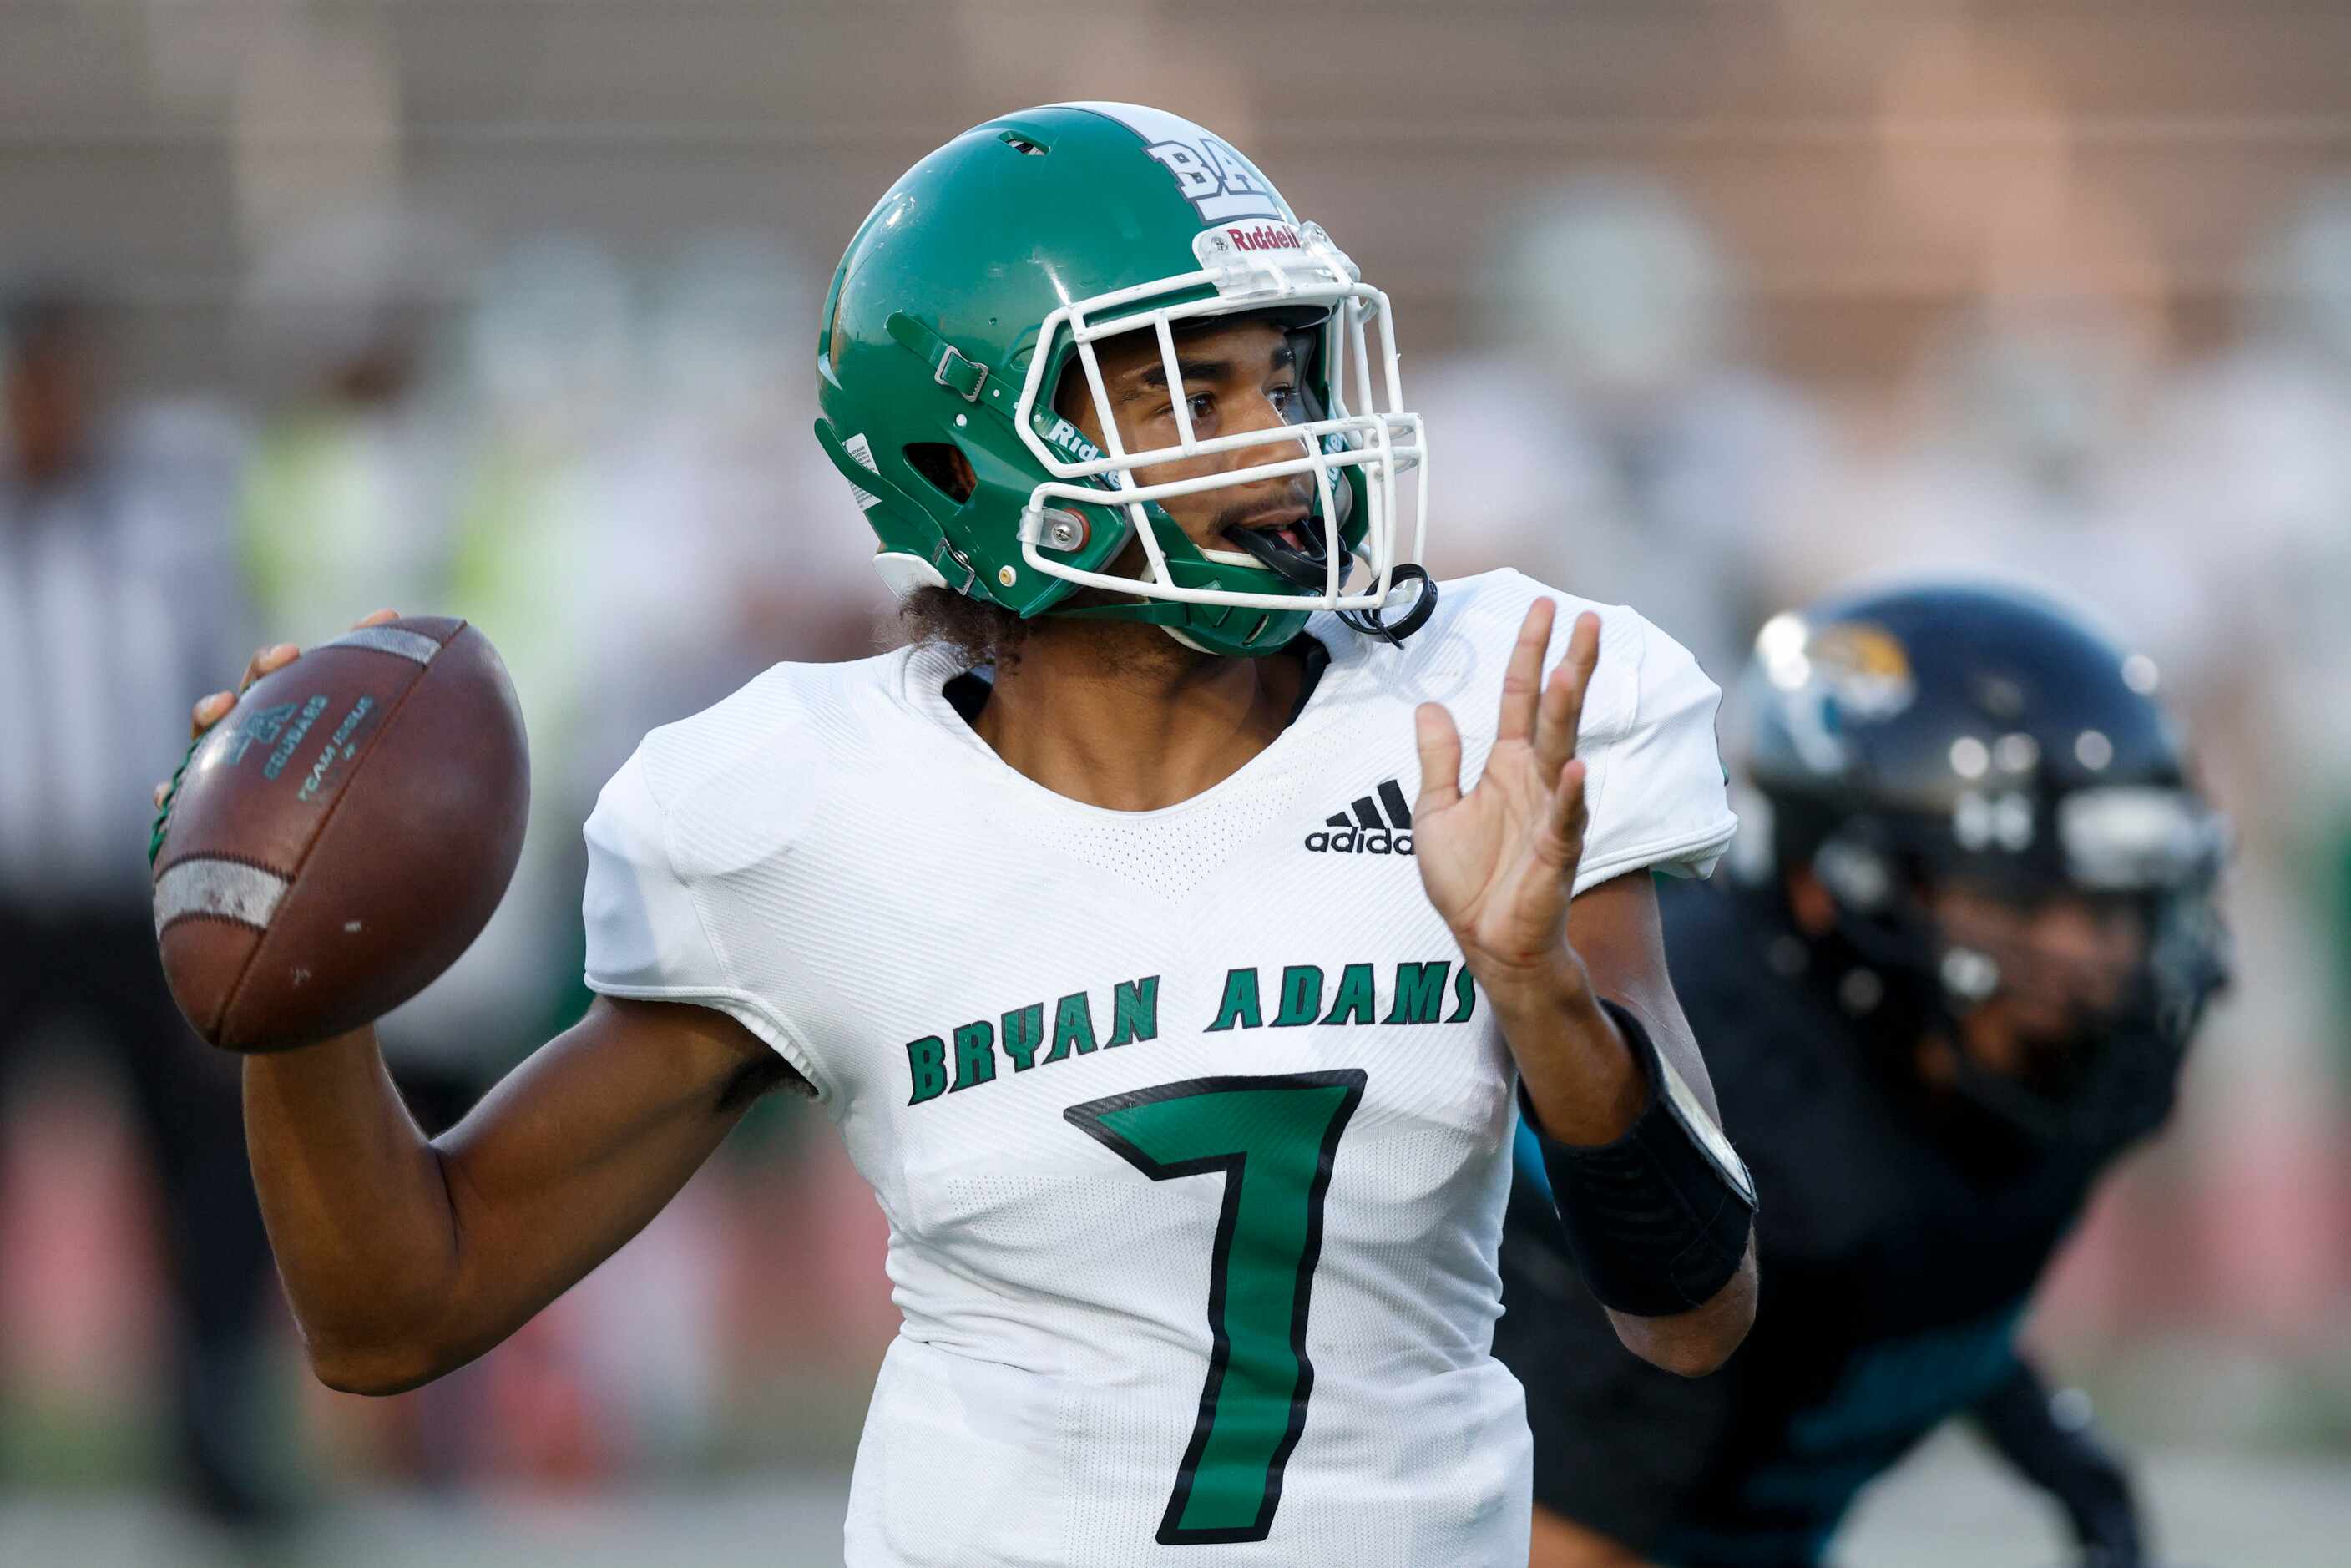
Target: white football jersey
[[1192, 1128]]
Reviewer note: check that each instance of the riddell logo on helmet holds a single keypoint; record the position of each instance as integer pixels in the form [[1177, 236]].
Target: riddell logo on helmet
[[1264, 237], [1366, 831], [1065, 435]]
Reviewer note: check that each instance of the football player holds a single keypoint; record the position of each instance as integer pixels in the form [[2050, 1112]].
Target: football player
[[1172, 931], [1961, 990]]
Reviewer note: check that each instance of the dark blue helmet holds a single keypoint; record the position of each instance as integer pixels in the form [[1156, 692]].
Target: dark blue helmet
[[1942, 734]]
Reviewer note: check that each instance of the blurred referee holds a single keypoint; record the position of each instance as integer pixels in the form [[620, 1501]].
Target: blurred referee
[[115, 568], [1963, 989]]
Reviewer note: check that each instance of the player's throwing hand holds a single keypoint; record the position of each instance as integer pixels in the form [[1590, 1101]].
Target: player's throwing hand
[[1500, 862], [215, 706]]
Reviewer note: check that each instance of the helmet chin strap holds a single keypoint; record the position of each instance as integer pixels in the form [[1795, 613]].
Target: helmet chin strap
[[1306, 569], [1393, 632], [1310, 569]]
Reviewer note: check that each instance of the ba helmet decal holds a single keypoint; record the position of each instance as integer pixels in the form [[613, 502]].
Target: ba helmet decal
[[1216, 179], [1220, 183]]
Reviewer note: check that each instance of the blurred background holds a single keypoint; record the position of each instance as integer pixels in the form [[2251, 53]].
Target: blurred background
[[505, 309]]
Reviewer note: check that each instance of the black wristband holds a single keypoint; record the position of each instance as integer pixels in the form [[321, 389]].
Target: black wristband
[[1657, 1220]]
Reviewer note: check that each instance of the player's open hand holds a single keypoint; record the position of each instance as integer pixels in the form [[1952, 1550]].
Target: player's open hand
[[1500, 862], [215, 706]]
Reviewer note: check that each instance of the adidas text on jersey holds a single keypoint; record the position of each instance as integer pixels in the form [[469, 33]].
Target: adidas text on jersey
[[1364, 833]]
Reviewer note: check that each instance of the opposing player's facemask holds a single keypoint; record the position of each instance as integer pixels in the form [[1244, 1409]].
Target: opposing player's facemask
[[2092, 1032]]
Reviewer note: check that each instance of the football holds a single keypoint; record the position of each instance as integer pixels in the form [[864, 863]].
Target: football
[[342, 835]]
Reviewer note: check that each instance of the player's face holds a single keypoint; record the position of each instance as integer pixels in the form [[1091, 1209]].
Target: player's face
[[1238, 376], [2065, 962], [47, 405]]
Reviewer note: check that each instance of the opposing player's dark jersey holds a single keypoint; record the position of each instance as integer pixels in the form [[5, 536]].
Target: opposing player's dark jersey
[[1897, 1251]]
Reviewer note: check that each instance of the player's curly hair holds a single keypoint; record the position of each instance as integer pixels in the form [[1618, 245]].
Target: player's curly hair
[[976, 630]]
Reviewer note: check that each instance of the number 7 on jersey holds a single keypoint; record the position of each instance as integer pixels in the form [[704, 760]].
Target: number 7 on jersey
[[1274, 1140]]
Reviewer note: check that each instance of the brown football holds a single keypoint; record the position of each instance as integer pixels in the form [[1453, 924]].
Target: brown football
[[340, 838]]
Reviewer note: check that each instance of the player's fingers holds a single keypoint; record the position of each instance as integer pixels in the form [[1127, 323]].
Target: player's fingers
[[1582, 659], [208, 712], [1522, 679], [375, 618], [1440, 757], [1555, 722], [162, 787], [1561, 844], [1564, 693], [268, 661]]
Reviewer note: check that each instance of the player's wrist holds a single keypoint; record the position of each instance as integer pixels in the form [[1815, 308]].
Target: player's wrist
[[1549, 991], [329, 1066], [1577, 1069]]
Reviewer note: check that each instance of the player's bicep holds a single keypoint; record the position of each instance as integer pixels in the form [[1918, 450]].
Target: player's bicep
[[1616, 930], [573, 1152], [626, 1071]]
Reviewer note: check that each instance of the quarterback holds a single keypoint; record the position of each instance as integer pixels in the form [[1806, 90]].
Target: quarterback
[[1174, 931]]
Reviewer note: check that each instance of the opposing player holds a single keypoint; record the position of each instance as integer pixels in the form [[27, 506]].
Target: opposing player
[[1963, 989], [1135, 926]]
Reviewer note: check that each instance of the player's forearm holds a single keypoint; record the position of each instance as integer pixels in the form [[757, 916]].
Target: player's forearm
[[1697, 1341], [1581, 1079], [1654, 1202], [406, 1259], [1579, 1074], [358, 1208]]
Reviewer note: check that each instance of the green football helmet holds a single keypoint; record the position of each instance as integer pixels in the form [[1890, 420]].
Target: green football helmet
[[983, 280]]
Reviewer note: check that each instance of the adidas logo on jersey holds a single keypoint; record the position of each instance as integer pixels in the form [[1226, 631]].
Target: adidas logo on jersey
[[1361, 829]]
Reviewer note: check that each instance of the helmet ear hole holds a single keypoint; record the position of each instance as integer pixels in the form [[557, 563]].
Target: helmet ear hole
[[944, 467]]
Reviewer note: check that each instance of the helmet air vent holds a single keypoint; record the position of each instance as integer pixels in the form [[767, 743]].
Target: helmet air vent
[[1027, 146]]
